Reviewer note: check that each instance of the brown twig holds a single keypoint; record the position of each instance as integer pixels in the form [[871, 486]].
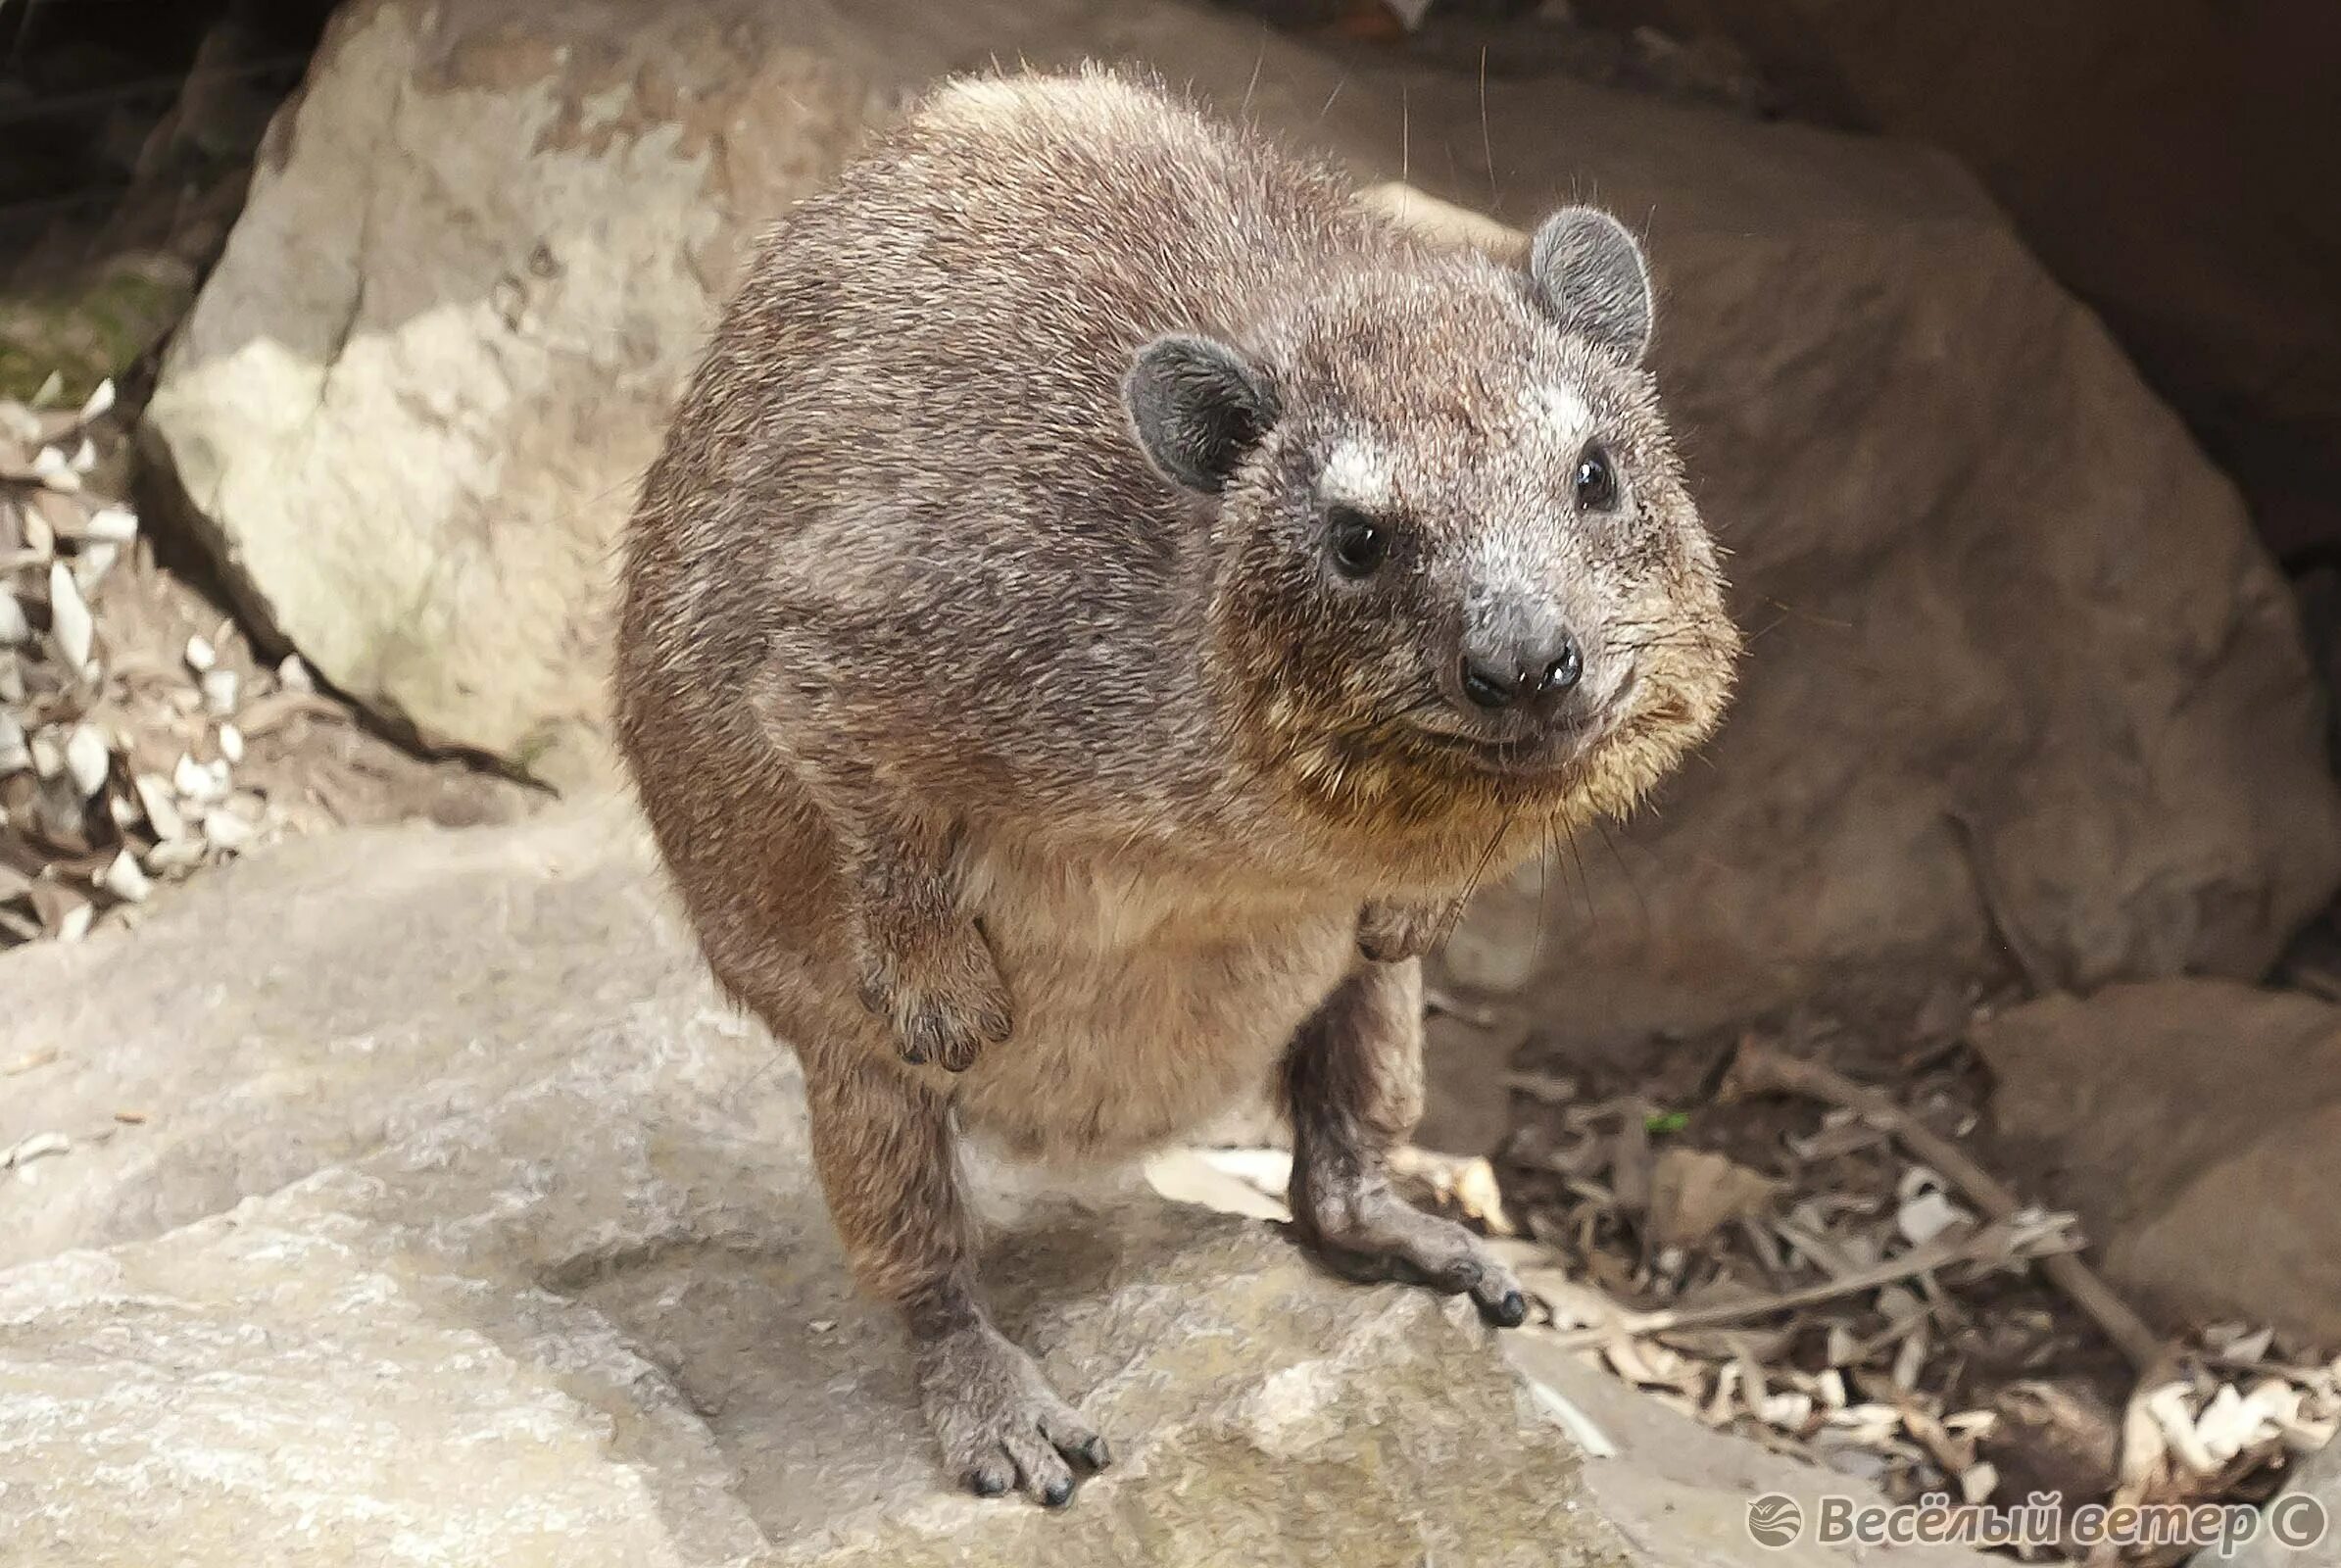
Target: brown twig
[[1981, 1246], [1758, 1068]]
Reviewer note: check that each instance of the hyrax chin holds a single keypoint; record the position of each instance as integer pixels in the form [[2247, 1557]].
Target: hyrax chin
[[1105, 599]]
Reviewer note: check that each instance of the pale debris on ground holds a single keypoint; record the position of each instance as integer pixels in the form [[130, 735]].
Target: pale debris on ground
[[91, 815], [142, 736], [2225, 1419]]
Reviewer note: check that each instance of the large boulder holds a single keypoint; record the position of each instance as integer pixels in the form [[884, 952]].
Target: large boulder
[[2022, 684], [2196, 1126], [459, 1222]]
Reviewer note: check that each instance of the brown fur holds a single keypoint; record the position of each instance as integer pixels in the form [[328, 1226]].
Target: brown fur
[[1024, 793]]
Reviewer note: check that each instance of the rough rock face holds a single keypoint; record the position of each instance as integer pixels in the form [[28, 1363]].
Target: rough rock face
[[536, 1272], [2022, 678], [502, 1247], [2196, 1126]]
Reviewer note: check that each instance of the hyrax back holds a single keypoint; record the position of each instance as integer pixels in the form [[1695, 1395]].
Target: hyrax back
[[1102, 599]]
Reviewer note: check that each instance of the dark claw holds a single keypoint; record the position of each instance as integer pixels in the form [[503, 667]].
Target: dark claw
[[1056, 1493], [1510, 1312], [987, 1482], [923, 1040], [1095, 1454]]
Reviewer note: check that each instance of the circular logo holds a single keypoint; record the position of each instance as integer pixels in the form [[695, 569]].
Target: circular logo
[[2296, 1521], [1774, 1521]]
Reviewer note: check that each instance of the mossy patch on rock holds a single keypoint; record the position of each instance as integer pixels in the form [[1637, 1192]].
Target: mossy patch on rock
[[87, 333]]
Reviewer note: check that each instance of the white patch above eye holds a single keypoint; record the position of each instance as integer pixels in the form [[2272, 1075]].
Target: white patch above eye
[[1559, 412], [1356, 475]]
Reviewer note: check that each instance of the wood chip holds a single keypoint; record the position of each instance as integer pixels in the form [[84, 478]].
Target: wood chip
[[39, 1146], [116, 525], [87, 760], [1926, 1213], [69, 618], [219, 689], [55, 470], [162, 810], [125, 880], [1693, 1194]]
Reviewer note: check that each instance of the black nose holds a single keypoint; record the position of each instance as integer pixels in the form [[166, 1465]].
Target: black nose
[[1520, 667]]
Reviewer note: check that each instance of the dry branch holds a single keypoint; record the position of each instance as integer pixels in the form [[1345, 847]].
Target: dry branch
[[1758, 1068]]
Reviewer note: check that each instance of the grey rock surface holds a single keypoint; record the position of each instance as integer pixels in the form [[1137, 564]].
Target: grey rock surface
[[2023, 682], [466, 1226], [532, 1269]]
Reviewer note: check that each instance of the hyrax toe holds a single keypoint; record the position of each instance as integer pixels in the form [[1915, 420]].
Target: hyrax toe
[[1000, 1423], [944, 996], [1386, 1237], [952, 1036]]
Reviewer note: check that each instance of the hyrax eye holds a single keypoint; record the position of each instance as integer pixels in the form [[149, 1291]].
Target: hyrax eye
[[1596, 480], [1357, 542]]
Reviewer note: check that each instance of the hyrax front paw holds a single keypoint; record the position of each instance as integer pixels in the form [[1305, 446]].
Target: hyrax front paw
[[999, 1421], [1390, 932], [1375, 1234], [941, 991]]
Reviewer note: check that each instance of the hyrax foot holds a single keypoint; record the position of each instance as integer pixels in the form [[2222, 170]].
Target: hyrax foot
[[1375, 1235], [999, 1421], [941, 991], [1388, 933]]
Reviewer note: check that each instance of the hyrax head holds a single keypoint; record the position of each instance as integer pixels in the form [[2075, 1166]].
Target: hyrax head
[[1458, 571]]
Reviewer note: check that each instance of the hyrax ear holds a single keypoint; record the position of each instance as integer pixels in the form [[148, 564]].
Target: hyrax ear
[[1197, 406], [1590, 273]]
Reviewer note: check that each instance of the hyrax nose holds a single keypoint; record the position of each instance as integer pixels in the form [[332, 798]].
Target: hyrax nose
[[1520, 660]]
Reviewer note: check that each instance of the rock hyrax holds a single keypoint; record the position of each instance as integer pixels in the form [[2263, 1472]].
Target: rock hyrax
[[1105, 599]]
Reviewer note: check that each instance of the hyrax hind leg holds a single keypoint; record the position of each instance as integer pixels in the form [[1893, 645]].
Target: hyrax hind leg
[[1353, 1086], [887, 1155]]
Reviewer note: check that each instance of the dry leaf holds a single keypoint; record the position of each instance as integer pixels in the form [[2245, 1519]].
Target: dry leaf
[[1186, 1176], [69, 617], [1693, 1194], [1927, 1215], [39, 1146]]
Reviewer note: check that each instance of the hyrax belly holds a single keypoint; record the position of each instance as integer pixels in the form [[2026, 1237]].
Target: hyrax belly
[[1142, 1005]]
